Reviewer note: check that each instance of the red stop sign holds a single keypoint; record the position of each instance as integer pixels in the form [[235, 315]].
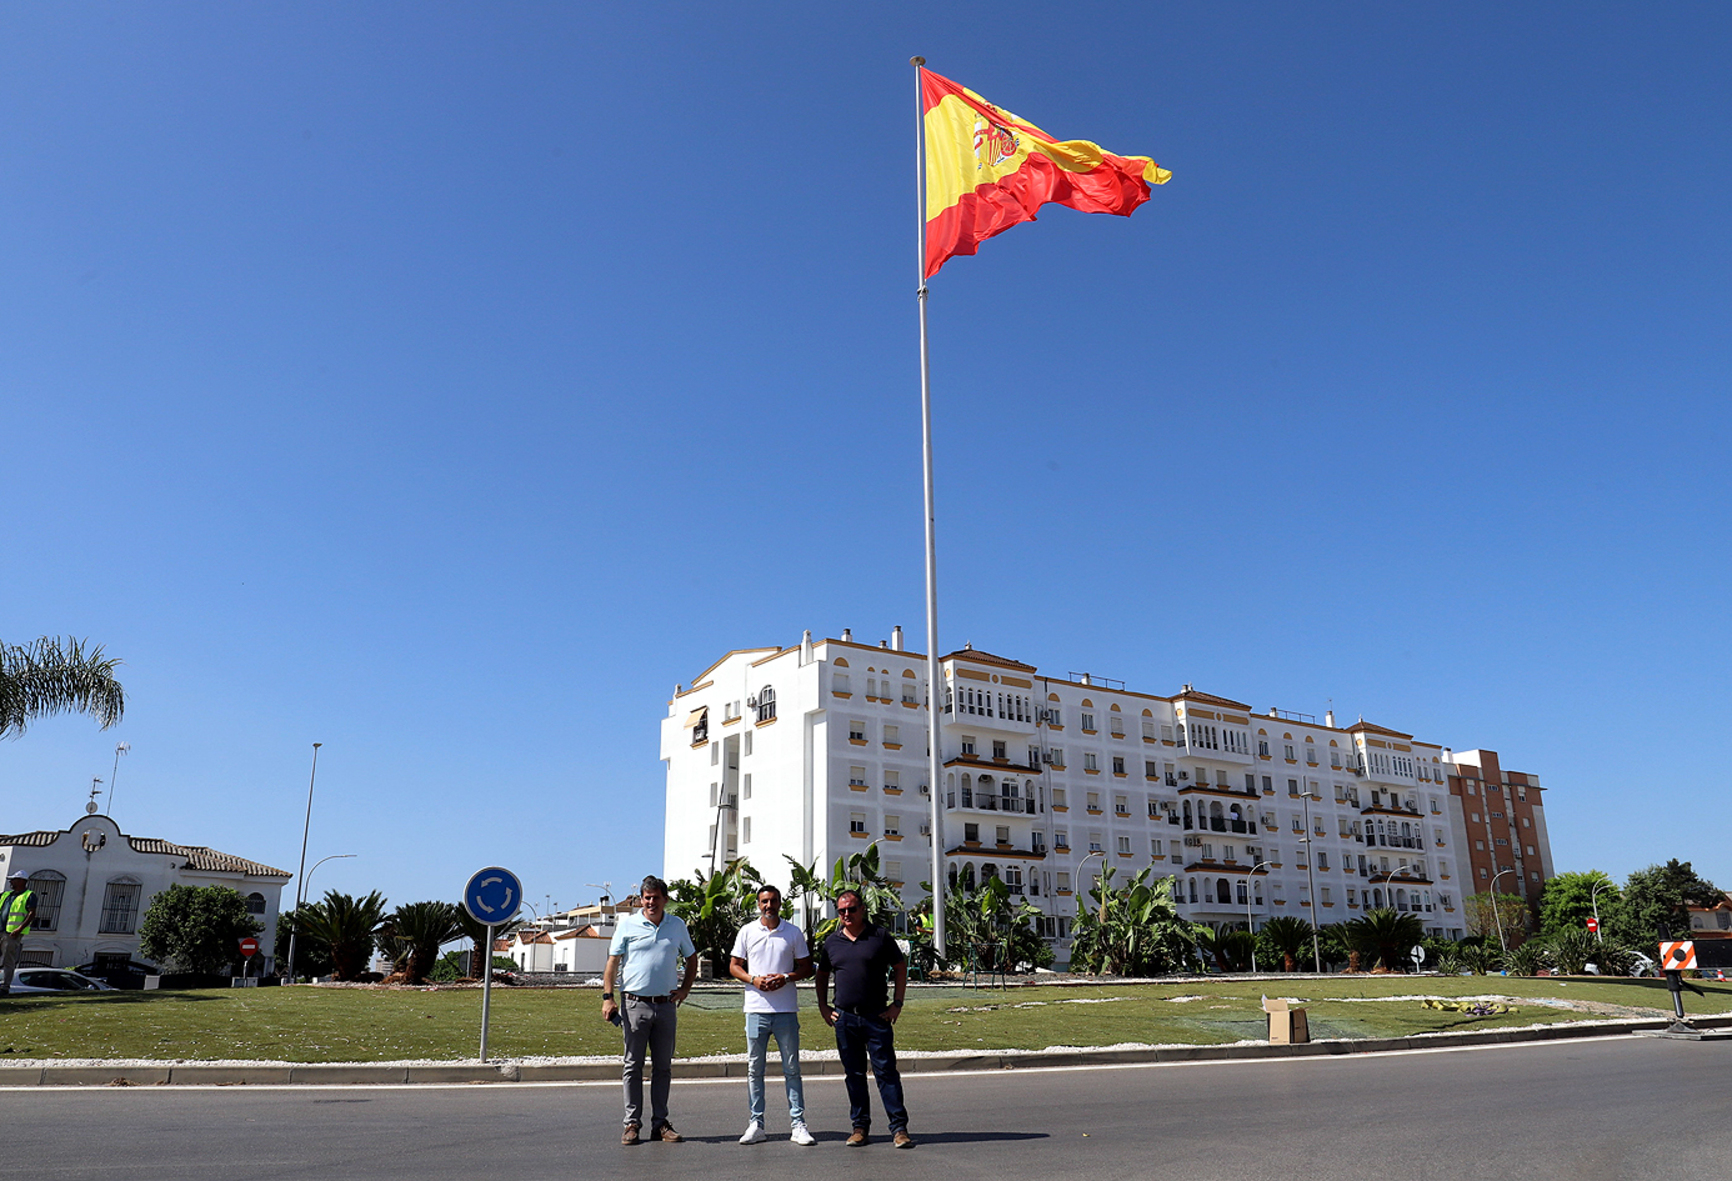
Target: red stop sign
[[249, 947], [1593, 924]]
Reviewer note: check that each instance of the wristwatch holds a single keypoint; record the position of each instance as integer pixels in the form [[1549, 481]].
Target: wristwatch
[[607, 996]]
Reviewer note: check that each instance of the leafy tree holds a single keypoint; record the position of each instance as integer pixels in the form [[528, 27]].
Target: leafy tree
[[716, 906], [414, 933], [53, 676], [1131, 930], [856, 871], [988, 929], [346, 928], [1530, 957], [309, 960], [1568, 901], [1569, 951], [196, 928], [1473, 954], [1484, 911], [449, 969], [1657, 896], [1387, 936], [476, 933], [1289, 937], [1228, 945]]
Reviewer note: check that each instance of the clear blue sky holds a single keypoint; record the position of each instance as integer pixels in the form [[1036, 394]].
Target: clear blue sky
[[444, 384]]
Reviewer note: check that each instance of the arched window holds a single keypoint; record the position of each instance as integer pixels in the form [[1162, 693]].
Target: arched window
[[49, 888], [1208, 891], [766, 704], [255, 903], [1188, 818], [1222, 890], [1241, 893], [988, 871], [967, 790], [968, 875], [1193, 889], [120, 907]]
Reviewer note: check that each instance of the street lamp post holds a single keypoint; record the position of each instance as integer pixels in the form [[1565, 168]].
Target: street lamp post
[[1311, 880], [305, 891], [1079, 869], [1593, 898], [120, 748], [1248, 930], [300, 875], [1497, 917]]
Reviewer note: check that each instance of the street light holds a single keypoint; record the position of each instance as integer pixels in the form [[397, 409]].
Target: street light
[[1496, 917], [300, 875], [1311, 880], [316, 864], [1248, 929], [120, 748], [1079, 875], [1593, 899]]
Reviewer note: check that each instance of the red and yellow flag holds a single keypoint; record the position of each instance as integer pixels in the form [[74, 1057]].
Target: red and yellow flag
[[987, 170]]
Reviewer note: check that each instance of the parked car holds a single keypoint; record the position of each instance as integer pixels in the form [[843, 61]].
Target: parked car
[[33, 980], [123, 976]]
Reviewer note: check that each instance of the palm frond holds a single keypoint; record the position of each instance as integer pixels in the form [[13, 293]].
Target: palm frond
[[55, 675]]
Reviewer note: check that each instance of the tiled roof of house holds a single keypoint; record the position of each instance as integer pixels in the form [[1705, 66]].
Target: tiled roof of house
[[34, 839], [1190, 694], [980, 657], [206, 858]]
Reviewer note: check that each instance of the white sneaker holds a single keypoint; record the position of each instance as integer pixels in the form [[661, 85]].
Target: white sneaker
[[802, 1137], [754, 1134]]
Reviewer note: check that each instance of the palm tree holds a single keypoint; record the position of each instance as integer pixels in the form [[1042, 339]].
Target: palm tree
[[1290, 935], [1387, 934], [415, 932], [54, 676], [346, 928]]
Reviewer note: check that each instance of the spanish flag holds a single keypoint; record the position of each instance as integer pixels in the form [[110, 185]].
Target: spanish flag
[[987, 170]]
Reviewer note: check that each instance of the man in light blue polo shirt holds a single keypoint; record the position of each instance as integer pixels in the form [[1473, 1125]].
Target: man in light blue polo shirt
[[644, 959]]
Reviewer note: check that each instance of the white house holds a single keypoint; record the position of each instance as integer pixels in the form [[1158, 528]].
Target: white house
[[93, 884]]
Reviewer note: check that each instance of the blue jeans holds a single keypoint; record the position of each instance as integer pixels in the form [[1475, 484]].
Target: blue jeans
[[857, 1039], [786, 1029]]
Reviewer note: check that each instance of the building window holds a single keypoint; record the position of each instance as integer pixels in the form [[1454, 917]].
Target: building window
[[839, 684], [1155, 848], [119, 908], [746, 784], [1089, 762], [1058, 797], [1060, 838], [857, 822], [892, 735], [1001, 834], [1088, 723], [1293, 787], [748, 746], [971, 834], [968, 744], [1122, 805], [999, 751], [746, 830], [1125, 846], [892, 826], [857, 731], [49, 888], [1094, 801], [766, 704], [255, 903], [1094, 842], [1063, 880], [892, 781], [856, 777], [1118, 765]]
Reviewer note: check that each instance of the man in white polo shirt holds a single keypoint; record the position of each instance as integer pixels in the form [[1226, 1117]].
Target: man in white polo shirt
[[769, 956]]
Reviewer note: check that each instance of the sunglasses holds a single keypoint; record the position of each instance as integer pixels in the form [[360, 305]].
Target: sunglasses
[[847, 910]]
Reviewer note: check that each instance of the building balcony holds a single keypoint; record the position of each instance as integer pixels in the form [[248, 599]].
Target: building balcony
[[976, 802]]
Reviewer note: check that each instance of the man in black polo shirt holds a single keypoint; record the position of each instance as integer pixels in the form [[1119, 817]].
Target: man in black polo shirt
[[860, 954]]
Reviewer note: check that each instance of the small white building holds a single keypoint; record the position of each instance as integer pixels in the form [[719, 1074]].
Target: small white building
[[93, 884], [573, 941]]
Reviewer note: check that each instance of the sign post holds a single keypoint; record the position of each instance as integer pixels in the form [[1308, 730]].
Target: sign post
[[249, 948], [492, 896], [1593, 926]]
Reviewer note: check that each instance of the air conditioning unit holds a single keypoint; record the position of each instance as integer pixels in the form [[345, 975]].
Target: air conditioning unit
[[1194, 842], [925, 790], [1184, 774], [752, 701], [925, 828]]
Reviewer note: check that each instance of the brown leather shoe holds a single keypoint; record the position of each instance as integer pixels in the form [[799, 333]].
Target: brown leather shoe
[[666, 1134], [903, 1140], [629, 1136], [859, 1139]]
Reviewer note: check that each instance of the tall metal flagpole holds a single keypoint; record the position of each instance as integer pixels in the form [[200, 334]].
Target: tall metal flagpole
[[934, 686]]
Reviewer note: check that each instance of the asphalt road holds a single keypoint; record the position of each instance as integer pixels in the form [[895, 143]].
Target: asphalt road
[[1614, 1108]]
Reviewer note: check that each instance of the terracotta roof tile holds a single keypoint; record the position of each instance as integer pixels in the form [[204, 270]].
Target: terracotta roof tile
[[205, 858]]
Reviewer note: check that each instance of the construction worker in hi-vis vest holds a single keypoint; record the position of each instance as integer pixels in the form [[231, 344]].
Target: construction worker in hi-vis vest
[[17, 909]]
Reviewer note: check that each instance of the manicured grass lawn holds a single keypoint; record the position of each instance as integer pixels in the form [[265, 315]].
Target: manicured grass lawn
[[311, 1024]]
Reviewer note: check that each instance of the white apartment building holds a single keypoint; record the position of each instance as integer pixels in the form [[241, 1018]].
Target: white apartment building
[[816, 750]]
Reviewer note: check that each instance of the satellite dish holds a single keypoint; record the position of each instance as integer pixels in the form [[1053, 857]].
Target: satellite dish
[[1417, 954], [90, 808]]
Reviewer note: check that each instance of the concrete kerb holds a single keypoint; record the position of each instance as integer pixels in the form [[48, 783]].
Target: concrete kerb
[[363, 1073]]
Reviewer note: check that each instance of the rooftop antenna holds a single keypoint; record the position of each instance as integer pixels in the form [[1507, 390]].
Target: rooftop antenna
[[95, 790]]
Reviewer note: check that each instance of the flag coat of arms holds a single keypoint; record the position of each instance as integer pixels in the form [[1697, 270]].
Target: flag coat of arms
[[987, 170]]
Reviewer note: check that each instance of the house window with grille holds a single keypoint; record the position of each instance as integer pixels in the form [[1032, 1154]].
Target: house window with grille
[[119, 908]]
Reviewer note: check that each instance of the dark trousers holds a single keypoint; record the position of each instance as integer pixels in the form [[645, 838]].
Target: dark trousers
[[857, 1039], [648, 1025]]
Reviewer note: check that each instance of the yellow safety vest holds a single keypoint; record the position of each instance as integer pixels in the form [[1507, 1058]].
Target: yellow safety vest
[[13, 909]]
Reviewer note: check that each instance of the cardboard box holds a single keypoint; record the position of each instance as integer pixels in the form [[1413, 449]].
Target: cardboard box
[[1287, 1025]]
